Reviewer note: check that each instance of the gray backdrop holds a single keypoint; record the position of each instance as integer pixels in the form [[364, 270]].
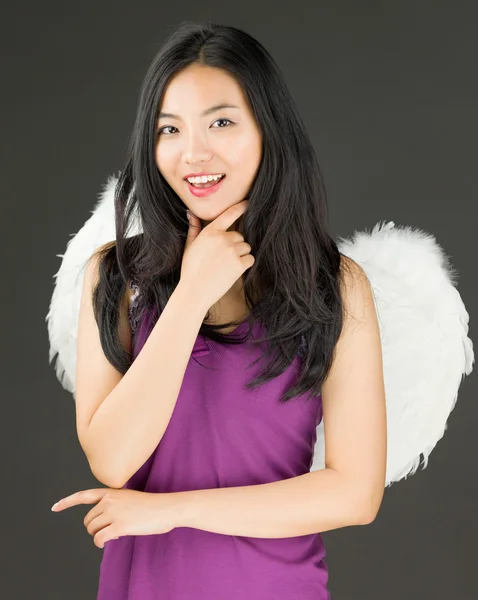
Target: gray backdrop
[[389, 93]]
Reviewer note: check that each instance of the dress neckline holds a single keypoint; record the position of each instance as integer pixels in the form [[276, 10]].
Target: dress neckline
[[237, 329]]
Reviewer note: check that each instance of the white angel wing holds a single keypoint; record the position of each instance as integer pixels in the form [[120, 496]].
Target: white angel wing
[[62, 317], [425, 348], [423, 327]]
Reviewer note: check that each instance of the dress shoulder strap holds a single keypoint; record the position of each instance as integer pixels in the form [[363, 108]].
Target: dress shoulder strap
[[133, 312]]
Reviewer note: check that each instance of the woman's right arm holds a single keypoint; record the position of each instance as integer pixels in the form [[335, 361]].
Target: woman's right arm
[[122, 418]]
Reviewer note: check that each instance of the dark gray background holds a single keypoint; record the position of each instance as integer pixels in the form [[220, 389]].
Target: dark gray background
[[388, 91]]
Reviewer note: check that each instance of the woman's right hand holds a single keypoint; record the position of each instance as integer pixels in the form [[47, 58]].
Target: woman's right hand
[[214, 258]]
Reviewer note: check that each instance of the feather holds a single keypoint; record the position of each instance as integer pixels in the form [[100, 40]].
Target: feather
[[423, 328], [62, 317]]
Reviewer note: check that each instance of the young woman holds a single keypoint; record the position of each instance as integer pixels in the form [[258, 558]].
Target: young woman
[[204, 446]]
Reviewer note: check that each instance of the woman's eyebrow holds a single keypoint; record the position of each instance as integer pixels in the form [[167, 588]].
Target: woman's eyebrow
[[208, 111]]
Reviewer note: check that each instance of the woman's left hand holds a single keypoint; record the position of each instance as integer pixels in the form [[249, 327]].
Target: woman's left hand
[[121, 512]]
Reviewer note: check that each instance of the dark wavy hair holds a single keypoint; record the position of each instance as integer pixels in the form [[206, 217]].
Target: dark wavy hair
[[294, 286]]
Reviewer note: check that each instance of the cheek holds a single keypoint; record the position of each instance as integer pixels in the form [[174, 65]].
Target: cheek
[[247, 154], [160, 157], [246, 168], [165, 164]]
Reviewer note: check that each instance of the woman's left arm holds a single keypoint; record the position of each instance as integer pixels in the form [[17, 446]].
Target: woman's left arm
[[350, 489], [309, 503]]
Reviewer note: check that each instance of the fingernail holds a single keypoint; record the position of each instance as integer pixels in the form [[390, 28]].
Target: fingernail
[[188, 214], [55, 505]]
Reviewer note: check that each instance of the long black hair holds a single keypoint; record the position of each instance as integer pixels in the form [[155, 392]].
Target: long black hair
[[294, 285]]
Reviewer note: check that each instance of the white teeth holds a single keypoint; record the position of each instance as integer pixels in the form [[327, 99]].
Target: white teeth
[[205, 178]]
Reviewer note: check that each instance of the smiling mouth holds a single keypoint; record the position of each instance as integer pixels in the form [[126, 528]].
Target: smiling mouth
[[207, 184]]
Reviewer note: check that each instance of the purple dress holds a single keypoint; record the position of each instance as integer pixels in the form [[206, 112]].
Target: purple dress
[[221, 435]]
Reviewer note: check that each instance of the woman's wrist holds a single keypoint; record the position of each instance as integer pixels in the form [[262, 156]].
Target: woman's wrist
[[182, 504], [190, 298]]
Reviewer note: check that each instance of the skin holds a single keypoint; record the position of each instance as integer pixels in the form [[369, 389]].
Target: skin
[[119, 512], [350, 489], [195, 143], [188, 144]]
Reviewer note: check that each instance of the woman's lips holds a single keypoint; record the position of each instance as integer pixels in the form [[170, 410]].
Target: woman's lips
[[201, 192]]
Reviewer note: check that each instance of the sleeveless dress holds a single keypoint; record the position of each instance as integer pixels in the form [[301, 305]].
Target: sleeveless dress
[[221, 435]]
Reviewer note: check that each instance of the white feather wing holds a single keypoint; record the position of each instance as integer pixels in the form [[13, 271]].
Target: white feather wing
[[423, 327], [425, 347], [62, 317]]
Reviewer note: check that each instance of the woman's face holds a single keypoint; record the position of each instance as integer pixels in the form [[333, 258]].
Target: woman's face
[[226, 141]]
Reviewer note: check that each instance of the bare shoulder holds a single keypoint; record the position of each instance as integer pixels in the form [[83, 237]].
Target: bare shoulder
[[359, 338], [357, 293], [96, 259], [352, 273], [92, 270], [353, 398]]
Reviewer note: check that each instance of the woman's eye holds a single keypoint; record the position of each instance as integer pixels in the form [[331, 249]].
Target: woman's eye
[[228, 120], [160, 131]]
